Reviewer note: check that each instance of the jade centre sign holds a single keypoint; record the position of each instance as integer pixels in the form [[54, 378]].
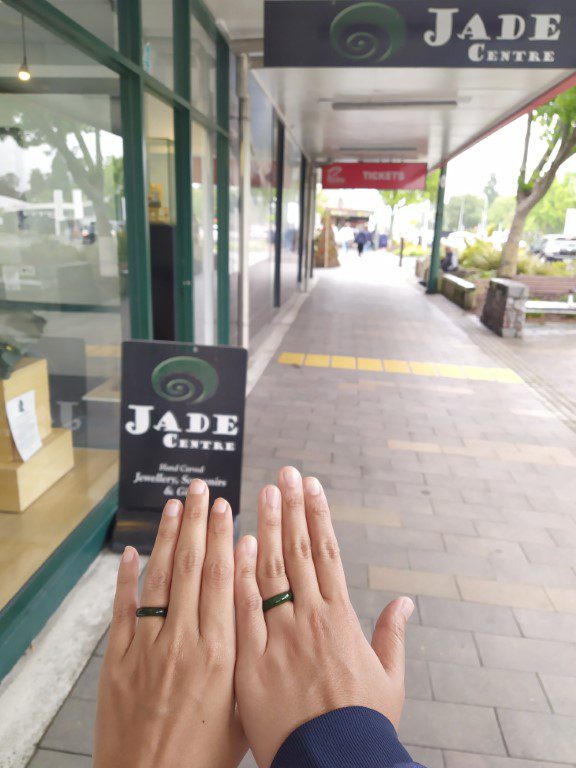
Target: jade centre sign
[[412, 33]]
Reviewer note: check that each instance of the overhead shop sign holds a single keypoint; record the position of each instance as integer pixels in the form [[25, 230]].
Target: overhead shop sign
[[182, 417], [414, 33], [374, 176]]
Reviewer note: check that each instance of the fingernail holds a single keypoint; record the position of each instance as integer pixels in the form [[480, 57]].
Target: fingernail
[[219, 506], [250, 545], [312, 486], [406, 607], [128, 554], [272, 496], [172, 508], [291, 477], [197, 486]]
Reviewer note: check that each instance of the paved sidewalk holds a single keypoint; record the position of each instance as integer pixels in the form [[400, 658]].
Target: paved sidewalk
[[450, 480]]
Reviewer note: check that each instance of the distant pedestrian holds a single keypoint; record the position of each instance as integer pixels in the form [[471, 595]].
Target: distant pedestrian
[[361, 240], [450, 261]]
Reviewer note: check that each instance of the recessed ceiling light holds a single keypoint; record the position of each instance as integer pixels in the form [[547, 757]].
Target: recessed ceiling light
[[399, 104]]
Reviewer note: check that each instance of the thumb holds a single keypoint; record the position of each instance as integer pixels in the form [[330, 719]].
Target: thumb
[[389, 636]]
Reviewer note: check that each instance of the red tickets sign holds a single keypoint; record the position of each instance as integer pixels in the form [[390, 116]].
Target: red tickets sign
[[374, 176]]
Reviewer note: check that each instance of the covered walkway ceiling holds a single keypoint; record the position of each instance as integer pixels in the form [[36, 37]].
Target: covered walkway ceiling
[[475, 101]]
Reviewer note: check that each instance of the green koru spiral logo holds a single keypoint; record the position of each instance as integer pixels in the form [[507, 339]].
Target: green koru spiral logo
[[368, 32], [185, 378]]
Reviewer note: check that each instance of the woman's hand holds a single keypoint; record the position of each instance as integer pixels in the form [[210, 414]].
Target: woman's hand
[[166, 696], [302, 659]]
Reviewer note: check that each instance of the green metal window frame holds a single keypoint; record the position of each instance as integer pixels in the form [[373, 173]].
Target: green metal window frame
[[25, 615]]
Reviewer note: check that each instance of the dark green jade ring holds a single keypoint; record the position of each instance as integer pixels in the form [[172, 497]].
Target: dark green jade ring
[[272, 602], [143, 612]]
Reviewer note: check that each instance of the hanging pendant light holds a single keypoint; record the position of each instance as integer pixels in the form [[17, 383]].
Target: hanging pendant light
[[24, 73]]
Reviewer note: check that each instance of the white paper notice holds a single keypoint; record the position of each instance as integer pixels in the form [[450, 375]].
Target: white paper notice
[[21, 413]]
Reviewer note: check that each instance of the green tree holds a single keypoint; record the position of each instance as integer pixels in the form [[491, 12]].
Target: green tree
[[501, 212], [463, 211], [396, 199], [557, 121], [549, 215]]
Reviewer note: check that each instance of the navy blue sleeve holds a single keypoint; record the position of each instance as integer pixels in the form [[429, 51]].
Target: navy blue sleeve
[[353, 737]]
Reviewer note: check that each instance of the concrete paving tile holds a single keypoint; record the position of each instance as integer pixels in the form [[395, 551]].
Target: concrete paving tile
[[451, 726], [431, 758], [248, 761], [87, 684], [444, 562], [399, 537], [452, 614], [503, 593], [432, 644], [470, 511], [438, 524], [487, 687], [401, 504], [536, 736], [417, 680], [561, 691], [535, 573], [71, 729], [369, 603], [412, 582], [101, 647], [492, 548], [540, 553], [46, 758], [510, 532], [526, 654], [466, 760], [356, 574], [546, 626], [385, 517], [564, 600]]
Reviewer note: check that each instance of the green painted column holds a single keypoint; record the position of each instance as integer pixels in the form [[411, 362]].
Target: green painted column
[[435, 258], [183, 245], [138, 237], [223, 187]]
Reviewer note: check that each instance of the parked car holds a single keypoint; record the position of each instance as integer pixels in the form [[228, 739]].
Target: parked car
[[558, 249]]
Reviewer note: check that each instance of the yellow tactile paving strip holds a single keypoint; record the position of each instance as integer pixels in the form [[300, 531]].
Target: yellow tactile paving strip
[[413, 368]]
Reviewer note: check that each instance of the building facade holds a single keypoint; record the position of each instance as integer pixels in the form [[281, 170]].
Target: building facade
[[149, 189]]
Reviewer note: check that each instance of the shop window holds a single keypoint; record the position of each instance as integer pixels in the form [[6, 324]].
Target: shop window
[[204, 233], [290, 217], [161, 186], [157, 40], [63, 293], [99, 17], [203, 74], [263, 123]]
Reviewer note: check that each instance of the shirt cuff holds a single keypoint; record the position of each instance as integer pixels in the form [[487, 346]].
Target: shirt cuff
[[350, 737]]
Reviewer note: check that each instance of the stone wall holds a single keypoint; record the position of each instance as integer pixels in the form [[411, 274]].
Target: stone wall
[[504, 311]]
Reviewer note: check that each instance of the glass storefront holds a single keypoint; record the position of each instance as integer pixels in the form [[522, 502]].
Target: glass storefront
[[203, 233], [290, 217], [63, 291], [263, 207], [157, 47], [104, 238]]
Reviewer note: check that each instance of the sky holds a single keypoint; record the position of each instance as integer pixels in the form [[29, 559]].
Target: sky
[[500, 154]]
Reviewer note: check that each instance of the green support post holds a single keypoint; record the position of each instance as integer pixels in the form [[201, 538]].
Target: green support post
[[435, 258], [223, 187], [279, 203], [183, 250], [138, 236]]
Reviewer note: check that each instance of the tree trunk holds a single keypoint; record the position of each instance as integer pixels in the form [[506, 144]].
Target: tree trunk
[[509, 263]]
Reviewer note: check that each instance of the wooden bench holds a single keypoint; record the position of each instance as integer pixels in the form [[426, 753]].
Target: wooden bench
[[461, 292]]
